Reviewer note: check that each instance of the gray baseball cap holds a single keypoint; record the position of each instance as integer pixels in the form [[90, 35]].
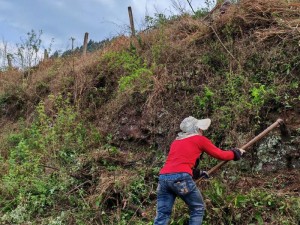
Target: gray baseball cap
[[191, 124]]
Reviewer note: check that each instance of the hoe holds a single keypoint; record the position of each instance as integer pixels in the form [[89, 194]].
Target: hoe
[[283, 130]]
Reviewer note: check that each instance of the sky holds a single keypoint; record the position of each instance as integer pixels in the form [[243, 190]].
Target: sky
[[60, 20]]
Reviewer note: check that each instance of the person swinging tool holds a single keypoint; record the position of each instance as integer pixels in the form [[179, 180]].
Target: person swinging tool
[[177, 174]]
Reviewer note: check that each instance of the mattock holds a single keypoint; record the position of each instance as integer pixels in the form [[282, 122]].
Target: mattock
[[283, 130]]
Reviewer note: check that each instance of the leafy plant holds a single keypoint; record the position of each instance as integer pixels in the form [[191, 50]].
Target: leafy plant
[[52, 141], [227, 205], [136, 74], [156, 21], [28, 50], [258, 95], [205, 102], [140, 77]]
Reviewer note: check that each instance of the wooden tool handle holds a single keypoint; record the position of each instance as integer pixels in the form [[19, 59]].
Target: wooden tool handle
[[250, 143]]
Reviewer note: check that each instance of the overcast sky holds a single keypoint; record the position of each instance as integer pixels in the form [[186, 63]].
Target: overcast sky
[[62, 19]]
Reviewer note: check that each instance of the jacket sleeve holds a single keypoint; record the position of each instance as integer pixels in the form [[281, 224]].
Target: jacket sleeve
[[214, 151]]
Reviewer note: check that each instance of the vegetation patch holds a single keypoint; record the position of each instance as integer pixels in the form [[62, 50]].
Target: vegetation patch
[[94, 133]]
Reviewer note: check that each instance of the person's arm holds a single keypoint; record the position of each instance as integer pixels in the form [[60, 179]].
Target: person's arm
[[215, 152]]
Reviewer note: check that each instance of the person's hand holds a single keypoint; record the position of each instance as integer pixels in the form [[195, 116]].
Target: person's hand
[[242, 151], [198, 174], [238, 152], [204, 174]]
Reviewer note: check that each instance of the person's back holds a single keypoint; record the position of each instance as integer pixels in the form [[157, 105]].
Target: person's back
[[182, 155], [176, 176]]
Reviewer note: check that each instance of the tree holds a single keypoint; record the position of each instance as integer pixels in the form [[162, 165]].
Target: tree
[[27, 51]]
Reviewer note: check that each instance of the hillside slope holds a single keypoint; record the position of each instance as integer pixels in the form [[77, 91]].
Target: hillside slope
[[83, 139]]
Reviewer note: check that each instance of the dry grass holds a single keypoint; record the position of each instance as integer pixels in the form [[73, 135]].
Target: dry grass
[[10, 79], [180, 46], [186, 55], [268, 19]]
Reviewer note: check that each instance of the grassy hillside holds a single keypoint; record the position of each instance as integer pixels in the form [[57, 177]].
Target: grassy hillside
[[83, 139]]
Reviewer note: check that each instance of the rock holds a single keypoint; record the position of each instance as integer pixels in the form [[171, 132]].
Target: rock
[[273, 154]]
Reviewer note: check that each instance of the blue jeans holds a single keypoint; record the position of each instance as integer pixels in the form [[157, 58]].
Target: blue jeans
[[182, 185]]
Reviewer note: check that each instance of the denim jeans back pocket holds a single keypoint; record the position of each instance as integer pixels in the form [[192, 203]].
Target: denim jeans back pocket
[[181, 187]]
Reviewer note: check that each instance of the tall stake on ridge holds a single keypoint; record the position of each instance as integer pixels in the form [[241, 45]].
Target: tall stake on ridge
[[72, 39], [131, 21], [9, 60], [46, 55], [86, 36]]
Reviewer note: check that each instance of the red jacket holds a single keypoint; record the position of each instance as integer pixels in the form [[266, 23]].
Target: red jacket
[[184, 153]]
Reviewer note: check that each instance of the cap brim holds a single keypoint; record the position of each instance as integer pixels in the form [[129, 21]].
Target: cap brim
[[203, 124]]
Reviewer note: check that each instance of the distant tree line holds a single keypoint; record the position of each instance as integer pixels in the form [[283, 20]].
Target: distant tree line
[[92, 46], [29, 52]]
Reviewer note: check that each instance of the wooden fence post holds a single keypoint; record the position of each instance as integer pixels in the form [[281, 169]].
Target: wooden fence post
[[86, 36], [72, 39], [46, 55], [9, 61], [131, 21]]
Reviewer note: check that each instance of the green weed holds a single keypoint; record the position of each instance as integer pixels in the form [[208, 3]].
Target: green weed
[[253, 207], [157, 20], [204, 102], [135, 71], [53, 141]]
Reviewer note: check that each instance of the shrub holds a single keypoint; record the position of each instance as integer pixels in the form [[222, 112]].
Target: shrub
[[53, 141], [134, 71]]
